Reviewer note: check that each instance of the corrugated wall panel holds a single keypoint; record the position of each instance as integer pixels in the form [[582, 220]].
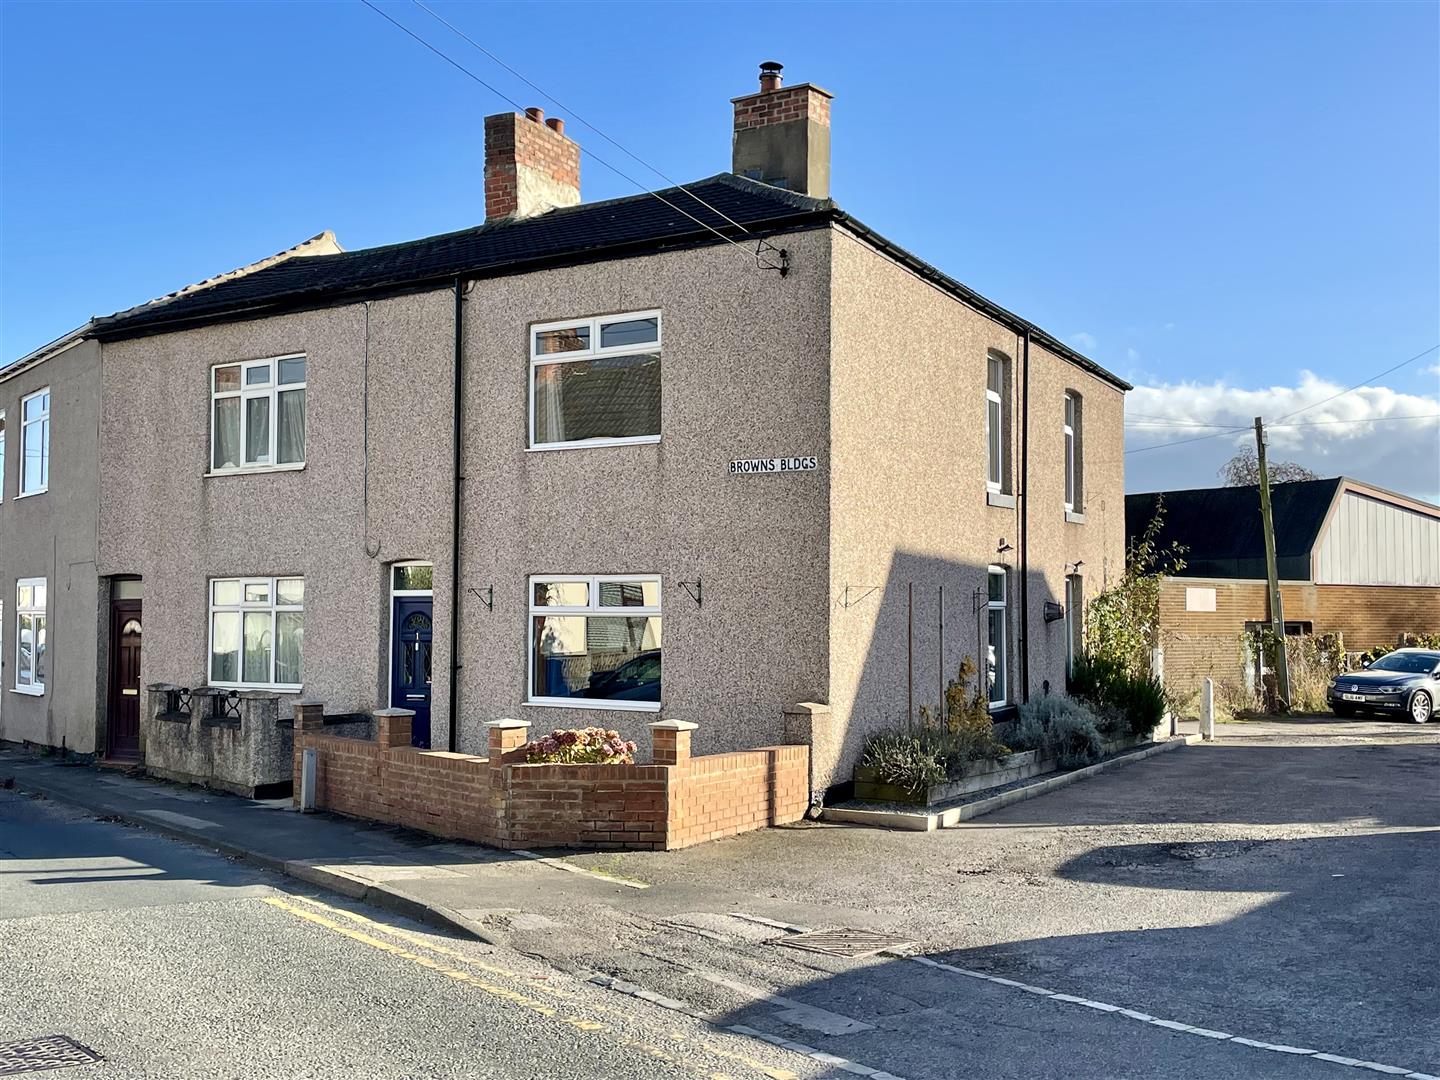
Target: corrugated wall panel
[[1370, 542]]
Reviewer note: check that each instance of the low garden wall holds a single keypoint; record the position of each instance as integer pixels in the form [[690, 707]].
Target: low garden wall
[[673, 802]]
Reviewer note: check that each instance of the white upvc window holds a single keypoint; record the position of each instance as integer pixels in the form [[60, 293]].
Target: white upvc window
[[1073, 444], [35, 443], [257, 630], [2, 455], [595, 382], [996, 610], [32, 662], [257, 414], [595, 641], [995, 445]]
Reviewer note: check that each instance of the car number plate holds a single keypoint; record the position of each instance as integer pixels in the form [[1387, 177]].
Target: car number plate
[[1352, 697]]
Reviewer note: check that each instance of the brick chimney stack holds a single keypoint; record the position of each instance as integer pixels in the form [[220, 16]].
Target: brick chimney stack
[[530, 166], [782, 134]]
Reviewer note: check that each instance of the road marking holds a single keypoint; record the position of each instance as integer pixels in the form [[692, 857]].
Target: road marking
[[576, 1020]]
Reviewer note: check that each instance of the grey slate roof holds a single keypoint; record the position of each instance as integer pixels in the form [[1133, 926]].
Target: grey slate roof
[[589, 231], [1221, 526]]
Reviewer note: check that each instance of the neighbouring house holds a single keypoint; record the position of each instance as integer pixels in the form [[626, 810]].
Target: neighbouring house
[[503, 472], [1352, 559]]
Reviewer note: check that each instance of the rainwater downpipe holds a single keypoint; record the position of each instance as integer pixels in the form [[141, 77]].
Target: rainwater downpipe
[[456, 489], [1024, 553]]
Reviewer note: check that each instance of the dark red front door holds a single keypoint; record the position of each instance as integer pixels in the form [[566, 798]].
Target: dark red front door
[[123, 723]]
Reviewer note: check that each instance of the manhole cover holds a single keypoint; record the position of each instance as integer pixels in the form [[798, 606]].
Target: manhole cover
[[37, 1055], [843, 942]]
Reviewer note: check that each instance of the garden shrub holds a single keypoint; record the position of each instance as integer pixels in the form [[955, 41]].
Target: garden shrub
[[1059, 727], [908, 759], [580, 746], [1130, 702]]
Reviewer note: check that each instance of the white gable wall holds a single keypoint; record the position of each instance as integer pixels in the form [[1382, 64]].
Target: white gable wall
[[1369, 541]]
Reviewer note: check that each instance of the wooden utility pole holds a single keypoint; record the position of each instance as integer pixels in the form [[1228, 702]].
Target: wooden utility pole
[[1277, 614]]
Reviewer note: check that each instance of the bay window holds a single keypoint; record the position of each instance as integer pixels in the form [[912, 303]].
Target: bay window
[[31, 661], [595, 641], [595, 381], [257, 415], [257, 630]]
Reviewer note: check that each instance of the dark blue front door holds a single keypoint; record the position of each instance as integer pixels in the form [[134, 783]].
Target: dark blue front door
[[410, 664]]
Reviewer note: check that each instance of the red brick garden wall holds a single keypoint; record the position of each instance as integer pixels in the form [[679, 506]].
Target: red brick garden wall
[[502, 802]]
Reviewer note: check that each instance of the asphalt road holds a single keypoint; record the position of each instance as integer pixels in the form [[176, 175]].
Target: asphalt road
[[170, 961]]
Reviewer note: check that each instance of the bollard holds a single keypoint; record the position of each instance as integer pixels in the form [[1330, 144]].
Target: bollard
[[307, 780], [1207, 710]]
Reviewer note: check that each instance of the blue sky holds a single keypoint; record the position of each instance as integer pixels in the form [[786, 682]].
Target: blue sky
[[1212, 200]]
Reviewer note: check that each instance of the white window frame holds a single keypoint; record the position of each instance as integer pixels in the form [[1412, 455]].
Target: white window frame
[[1003, 606], [534, 610], [21, 491], [272, 606], [996, 485], [245, 393], [1071, 414], [538, 360], [34, 688], [2, 455]]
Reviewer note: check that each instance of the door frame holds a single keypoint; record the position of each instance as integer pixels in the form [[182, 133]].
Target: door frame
[[390, 644], [131, 607]]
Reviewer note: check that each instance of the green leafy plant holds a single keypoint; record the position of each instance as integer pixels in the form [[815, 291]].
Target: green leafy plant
[[1130, 702], [580, 746], [1122, 621]]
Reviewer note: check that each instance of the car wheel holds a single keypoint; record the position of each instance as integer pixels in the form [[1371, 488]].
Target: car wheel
[[1421, 707], [1343, 711]]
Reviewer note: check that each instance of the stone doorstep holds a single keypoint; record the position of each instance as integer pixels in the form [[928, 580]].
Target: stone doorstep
[[926, 820]]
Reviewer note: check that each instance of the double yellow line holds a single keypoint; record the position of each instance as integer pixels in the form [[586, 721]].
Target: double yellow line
[[423, 953]]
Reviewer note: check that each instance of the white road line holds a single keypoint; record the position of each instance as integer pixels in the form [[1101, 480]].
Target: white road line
[[1131, 1014]]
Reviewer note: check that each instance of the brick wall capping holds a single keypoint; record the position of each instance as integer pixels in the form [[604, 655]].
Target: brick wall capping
[[808, 708], [673, 725], [505, 725], [793, 86], [393, 712], [310, 701]]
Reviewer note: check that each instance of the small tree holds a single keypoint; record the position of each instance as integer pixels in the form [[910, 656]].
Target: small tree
[[1124, 619], [1243, 470]]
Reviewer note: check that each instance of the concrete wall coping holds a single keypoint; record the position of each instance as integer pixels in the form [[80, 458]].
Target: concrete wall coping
[[393, 712], [808, 708], [503, 725], [673, 725]]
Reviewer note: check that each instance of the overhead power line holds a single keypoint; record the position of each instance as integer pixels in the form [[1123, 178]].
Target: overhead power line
[[588, 153]]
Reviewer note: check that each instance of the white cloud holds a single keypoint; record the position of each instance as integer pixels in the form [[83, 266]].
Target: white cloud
[[1132, 354], [1433, 369], [1399, 454], [1083, 341]]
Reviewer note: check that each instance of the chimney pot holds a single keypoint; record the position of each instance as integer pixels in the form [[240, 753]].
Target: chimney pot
[[538, 115], [556, 125], [770, 77]]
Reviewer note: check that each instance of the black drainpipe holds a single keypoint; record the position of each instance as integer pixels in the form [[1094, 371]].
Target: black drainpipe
[[455, 434], [1025, 523]]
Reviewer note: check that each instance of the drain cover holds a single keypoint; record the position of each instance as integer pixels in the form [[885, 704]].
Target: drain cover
[[37, 1055], [843, 942]]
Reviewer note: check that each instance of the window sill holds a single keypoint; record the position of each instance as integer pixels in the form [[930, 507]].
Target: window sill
[[581, 444], [29, 691], [274, 688], [593, 703], [1072, 518], [292, 467], [30, 494], [999, 498]]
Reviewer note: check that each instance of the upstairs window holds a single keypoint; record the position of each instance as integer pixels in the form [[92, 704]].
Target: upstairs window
[[257, 630], [31, 661], [35, 442], [2, 457], [1074, 469], [595, 641], [595, 382], [996, 447], [257, 416]]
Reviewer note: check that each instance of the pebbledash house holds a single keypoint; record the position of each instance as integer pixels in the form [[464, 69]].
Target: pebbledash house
[[719, 454]]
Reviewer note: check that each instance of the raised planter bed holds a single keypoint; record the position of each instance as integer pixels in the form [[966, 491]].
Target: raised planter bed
[[982, 776]]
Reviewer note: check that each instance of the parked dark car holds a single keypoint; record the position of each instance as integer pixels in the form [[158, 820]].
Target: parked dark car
[[1405, 681]]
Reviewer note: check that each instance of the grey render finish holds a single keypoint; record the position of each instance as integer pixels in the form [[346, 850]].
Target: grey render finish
[[54, 535], [851, 357]]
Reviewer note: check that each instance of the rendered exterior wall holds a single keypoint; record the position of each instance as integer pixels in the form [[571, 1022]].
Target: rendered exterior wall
[[164, 519], [908, 494], [53, 535], [744, 375]]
